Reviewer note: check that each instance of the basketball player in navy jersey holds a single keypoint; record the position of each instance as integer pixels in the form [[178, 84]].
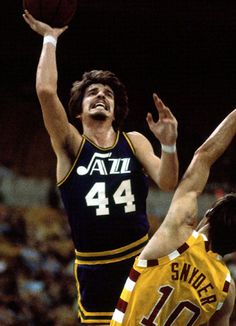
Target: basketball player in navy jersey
[[180, 277], [100, 174]]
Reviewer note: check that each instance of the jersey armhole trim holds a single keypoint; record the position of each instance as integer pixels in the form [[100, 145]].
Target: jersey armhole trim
[[72, 167], [129, 142]]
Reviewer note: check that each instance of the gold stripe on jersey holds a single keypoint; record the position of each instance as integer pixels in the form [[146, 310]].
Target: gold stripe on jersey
[[93, 317], [103, 148], [129, 142], [196, 291], [111, 256]]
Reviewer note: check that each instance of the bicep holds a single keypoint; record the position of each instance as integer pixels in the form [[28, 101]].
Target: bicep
[[184, 205], [192, 183], [54, 115], [163, 171], [145, 154], [183, 211], [63, 135]]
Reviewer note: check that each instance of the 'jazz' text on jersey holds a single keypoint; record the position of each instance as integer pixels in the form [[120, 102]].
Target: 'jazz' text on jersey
[[103, 164]]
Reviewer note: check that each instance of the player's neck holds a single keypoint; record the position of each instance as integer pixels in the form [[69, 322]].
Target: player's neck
[[101, 136]]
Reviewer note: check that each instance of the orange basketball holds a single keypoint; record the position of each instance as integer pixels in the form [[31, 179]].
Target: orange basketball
[[56, 13]]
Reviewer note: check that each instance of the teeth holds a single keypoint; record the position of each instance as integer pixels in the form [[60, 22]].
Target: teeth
[[100, 104]]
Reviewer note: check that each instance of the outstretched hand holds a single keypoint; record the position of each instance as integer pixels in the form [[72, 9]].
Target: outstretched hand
[[42, 28], [165, 129]]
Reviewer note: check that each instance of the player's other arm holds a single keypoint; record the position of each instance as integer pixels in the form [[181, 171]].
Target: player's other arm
[[166, 131], [165, 170]]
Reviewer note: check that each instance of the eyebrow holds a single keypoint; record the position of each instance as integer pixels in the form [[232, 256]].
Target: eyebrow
[[94, 88]]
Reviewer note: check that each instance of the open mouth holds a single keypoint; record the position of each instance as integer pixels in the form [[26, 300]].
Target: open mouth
[[100, 106]]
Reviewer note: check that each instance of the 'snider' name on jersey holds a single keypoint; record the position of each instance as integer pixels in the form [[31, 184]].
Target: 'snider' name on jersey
[[104, 165]]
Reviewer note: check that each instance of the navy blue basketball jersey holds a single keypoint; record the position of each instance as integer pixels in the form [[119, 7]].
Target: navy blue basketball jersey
[[104, 195]]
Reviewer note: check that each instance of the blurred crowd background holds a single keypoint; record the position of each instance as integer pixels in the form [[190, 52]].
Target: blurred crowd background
[[36, 268]]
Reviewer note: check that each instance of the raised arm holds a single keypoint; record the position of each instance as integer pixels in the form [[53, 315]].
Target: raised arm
[[64, 137], [165, 170]]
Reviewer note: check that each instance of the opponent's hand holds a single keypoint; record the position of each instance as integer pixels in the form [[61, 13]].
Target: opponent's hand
[[40, 27], [165, 129]]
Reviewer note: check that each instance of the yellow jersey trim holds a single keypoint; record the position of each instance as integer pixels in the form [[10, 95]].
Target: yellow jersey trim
[[111, 256]]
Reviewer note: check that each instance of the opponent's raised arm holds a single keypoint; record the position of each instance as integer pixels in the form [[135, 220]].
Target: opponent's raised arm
[[196, 176], [182, 215]]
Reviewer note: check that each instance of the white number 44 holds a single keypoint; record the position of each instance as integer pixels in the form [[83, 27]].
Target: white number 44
[[123, 195]]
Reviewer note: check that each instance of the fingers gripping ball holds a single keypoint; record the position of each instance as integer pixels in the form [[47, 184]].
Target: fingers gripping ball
[[56, 13]]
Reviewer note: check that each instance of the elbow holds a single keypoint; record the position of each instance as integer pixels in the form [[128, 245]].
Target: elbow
[[168, 179], [167, 188], [173, 185], [201, 162], [202, 155], [44, 91], [169, 185]]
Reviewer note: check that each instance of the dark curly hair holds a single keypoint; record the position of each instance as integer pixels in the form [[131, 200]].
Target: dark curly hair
[[222, 225], [99, 77]]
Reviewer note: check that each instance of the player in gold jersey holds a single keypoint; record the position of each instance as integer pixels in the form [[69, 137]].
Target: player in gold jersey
[[180, 277]]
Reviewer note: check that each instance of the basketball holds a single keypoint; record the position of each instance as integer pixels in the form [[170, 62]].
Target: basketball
[[56, 13]]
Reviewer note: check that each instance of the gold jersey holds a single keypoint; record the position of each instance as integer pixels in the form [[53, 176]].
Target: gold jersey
[[184, 288]]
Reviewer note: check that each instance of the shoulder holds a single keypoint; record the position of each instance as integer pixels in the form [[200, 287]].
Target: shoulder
[[138, 139], [135, 135]]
